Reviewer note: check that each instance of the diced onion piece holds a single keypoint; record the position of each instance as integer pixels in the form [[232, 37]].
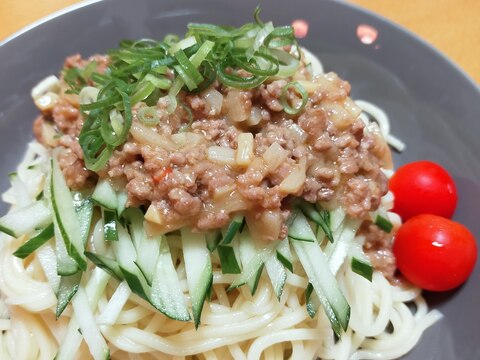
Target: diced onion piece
[[214, 101], [232, 202], [88, 95], [221, 154], [46, 102], [352, 107], [244, 153], [49, 135], [309, 86], [50, 83], [154, 215], [235, 103], [145, 135], [267, 227], [255, 116], [186, 138], [223, 191], [297, 131], [295, 180], [338, 115], [274, 156]]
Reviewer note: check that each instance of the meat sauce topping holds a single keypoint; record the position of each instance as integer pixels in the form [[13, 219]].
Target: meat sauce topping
[[225, 151]]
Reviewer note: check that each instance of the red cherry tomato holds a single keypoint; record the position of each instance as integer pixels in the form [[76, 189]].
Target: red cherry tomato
[[423, 187], [435, 253]]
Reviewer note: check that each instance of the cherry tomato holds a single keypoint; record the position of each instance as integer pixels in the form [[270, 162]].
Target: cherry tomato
[[423, 187], [435, 253]]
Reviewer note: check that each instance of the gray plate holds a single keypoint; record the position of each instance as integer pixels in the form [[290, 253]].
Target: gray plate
[[433, 106]]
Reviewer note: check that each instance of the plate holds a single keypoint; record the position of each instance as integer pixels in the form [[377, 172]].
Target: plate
[[433, 107]]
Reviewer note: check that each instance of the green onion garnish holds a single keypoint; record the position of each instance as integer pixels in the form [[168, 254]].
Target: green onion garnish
[[147, 70], [383, 223], [148, 116], [301, 91]]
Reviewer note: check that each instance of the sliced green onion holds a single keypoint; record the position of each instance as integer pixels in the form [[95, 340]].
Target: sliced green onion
[[182, 45], [160, 83], [187, 70], [143, 90], [384, 224], [270, 64], [284, 101], [280, 36], [148, 116], [117, 121], [171, 39], [108, 134], [232, 80], [288, 64], [262, 34]]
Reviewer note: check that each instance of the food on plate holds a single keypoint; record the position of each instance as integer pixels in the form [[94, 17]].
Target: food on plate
[[214, 196], [435, 253], [423, 187]]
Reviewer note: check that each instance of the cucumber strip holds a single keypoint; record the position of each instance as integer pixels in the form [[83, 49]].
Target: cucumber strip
[[148, 251], [248, 250], [360, 262], [66, 265], [105, 263], [284, 254], [300, 229], [228, 260], [39, 196], [277, 274], [122, 198], [252, 262], [48, 261], [88, 326], [35, 242], [20, 190], [337, 218], [85, 214], [213, 238], [26, 219], [105, 195], [67, 289], [319, 217], [66, 216], [198, 268], [114, 307], [315, 264], [110, 231], [312, 301], [167, 295], [134, 220], [362, 268], [338, 251], [126, 256], [235, 225]]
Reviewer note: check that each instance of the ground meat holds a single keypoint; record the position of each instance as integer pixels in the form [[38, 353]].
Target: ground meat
[[342, 159], [378, 247]]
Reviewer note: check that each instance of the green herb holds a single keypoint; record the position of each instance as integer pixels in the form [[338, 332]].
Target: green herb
[[145, 70]]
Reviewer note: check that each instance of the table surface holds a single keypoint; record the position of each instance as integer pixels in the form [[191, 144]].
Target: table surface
[[452, 26]]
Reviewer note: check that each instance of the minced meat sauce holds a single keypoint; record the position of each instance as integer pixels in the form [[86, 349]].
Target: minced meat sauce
[[334, 155]]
